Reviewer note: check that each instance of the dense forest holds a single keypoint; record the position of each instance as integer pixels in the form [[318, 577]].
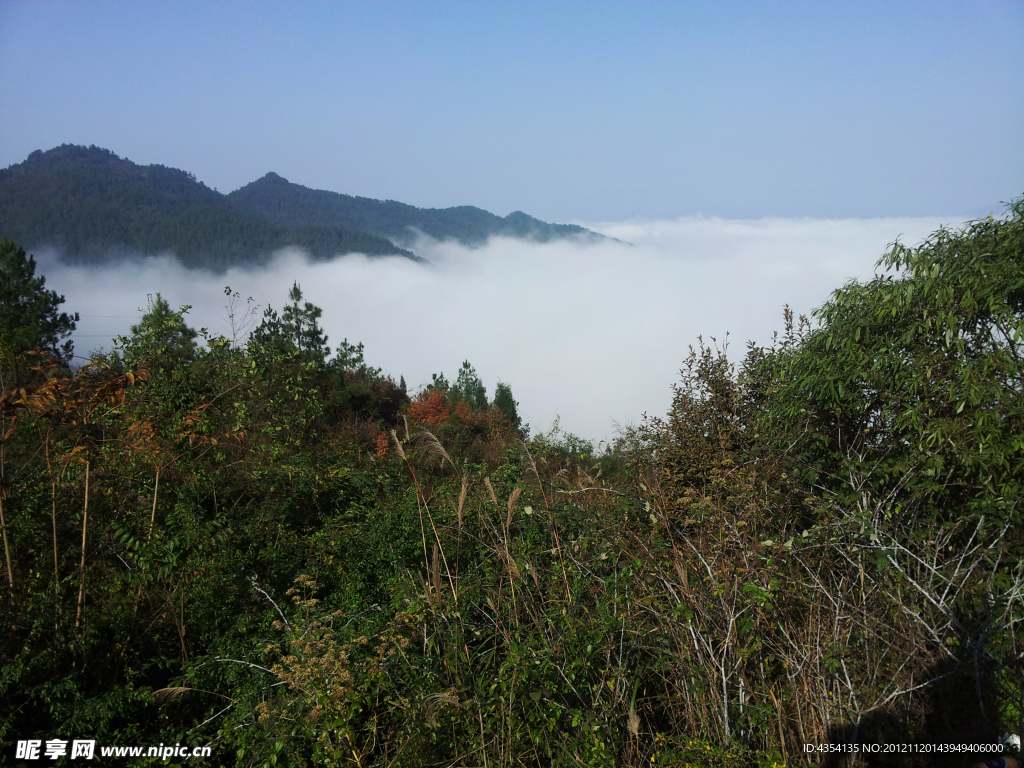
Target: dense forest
[[91, 205], [270, 547], [289, 204]]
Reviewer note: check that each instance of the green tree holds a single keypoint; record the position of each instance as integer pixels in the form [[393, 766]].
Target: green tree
[[505, 403], [468, 387], [161, 339], [913, 381], [298, 328], [438, 382], [301, 324], [349, 357], [269, 333], [29, 316]]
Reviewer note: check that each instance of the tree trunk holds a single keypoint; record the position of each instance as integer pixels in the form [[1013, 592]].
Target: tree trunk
[[7, 549], [53, 517], [152, 515], [53, 509], [3, 522], [85, 525]]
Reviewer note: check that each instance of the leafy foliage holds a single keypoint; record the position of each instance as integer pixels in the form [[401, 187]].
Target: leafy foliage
[[287, 558], [913, 380]]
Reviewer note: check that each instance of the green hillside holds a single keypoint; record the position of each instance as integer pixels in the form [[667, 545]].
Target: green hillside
[[92, 204], [289, 204]]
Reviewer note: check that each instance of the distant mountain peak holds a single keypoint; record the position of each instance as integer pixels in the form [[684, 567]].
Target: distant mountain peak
[[274, 178]]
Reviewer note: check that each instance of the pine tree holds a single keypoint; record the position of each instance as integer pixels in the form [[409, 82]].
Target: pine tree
[[162, 338], [438, 382], [298, 328], [468, 387], [505, 403], [29, 316], [300, 323]]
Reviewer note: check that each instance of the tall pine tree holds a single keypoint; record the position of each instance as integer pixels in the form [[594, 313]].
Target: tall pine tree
[[29, 313]]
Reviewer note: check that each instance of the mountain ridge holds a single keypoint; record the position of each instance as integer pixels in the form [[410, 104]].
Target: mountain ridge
[[286, 203], [94, 205]]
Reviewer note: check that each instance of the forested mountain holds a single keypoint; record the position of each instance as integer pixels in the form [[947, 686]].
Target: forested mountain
[[288, 204], [92, 204]]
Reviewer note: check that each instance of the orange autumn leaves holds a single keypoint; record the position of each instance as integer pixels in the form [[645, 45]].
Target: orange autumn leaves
[[434, 408], [431, 408]]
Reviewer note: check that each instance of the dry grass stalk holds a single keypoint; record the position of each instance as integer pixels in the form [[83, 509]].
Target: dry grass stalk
[[533, 466], [53, 504], [681, 572], [434, 702], [434, 446], [490, 490], [7, 550], [152, 516], [533, 573], [633, 721], [510, 564], [512, 499], [435, 574], [398, 443], [462, 498], [421, 499], [165, 695]]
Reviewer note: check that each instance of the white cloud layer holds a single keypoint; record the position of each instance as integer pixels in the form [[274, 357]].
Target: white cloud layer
[[590, 332]]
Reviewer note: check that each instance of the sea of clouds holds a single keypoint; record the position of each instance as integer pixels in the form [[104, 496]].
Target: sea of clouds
[[593, 333]]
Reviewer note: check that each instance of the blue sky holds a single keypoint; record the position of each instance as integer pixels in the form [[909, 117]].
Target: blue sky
[[569, 111]]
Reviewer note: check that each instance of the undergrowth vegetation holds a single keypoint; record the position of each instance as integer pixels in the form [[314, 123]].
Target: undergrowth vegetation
[[285, 556]]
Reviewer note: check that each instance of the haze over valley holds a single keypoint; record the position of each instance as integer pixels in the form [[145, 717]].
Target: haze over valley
[[588, 329]]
